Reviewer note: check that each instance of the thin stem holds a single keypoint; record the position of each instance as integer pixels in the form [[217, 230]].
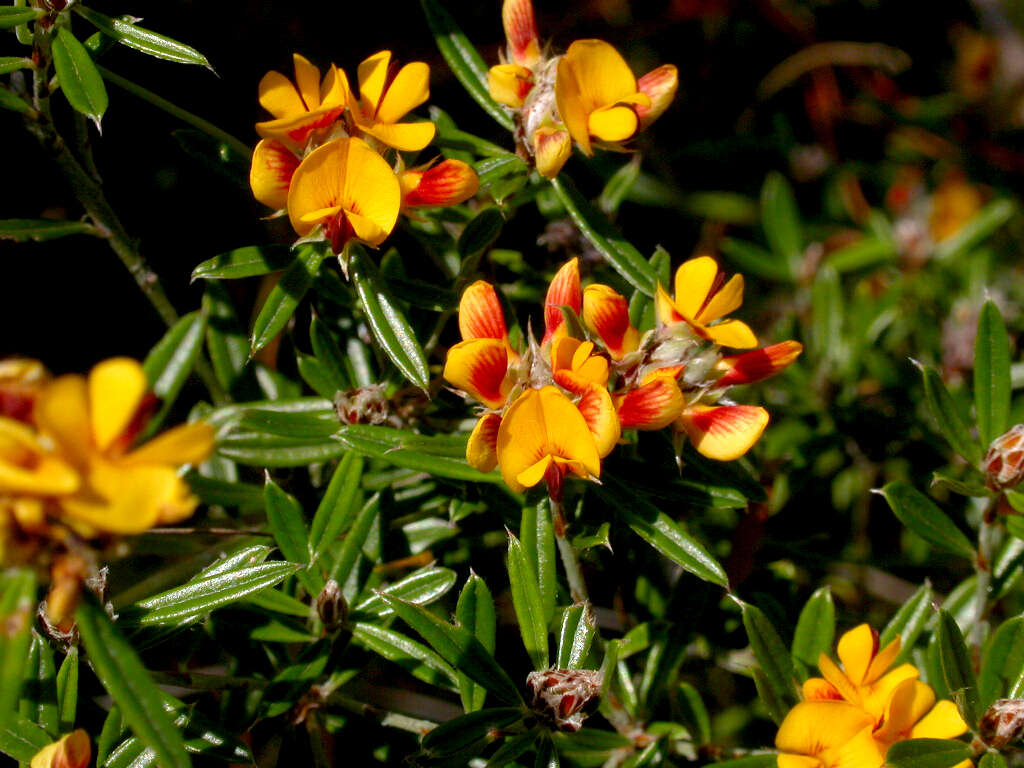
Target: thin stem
[[237, 145], [983, 567], [570, 558]]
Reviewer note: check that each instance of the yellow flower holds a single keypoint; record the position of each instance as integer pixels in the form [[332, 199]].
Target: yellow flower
[[93, 422], [270, 175], [302, 107], [349, 190], [385, 97], [826, 734], [701, 299], [70, 751], [450, 182]]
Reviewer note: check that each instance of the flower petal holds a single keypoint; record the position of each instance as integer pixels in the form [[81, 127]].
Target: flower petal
[[730, 333], [450, 182], [116, 389], [726, 299], [695, 279], [606, 314], [521, 31], [482, 447], [838, 679], [564, 291], [654, 405], [798, 761], [480, 313], [372, 75], [509, 84], [856, 649], [278, 96], [534, 473], [184, 444], [307, 78], [366, 229], [943, 722], [819, 689], [270, 176], [551, 150], [70, 751], [406, 137], [666, 309], [723, 432], [479, 367], [758, 364], [660, 87], [599, 413], [909, 701], [62, 413], [802, 730], [295, 129], [334, 90], [882, 660], [613, 123], [26, 468], [409, 88]]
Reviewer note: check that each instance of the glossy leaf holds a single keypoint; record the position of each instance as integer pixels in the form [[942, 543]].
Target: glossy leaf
[[475, 613], [280, 305], [513, 747], [947, 416], [415, 658], [909, 621], [118, 667], [14, 103], [421, 588], [339, 504], [575, 634], [17, 615], [774, 659], [617, 188], [79, 79], [287, 523], [920, 515], [142, 39], [41, 230], [424, 454], [356, 537], [460, 648], [538, 538], [327, 352], [169, 363], [250, 261], [956, 668], [225, 338], [469, 733], [387, 321], [526, 601], [20, 738], [694, 714], [39, 694], [479, 234], [927, 753], [991, 374], [816, 628], [616, 250], [67, 691], [12, 17], [465, 61]]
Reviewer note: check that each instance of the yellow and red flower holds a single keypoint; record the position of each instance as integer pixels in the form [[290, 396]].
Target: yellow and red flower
[[386, 96], [300, 108], [702, 297]]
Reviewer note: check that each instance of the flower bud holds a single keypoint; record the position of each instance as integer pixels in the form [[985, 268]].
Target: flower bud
[[331, 606], [1003, 723], [565, 697], [366, 405], [1004, 462]]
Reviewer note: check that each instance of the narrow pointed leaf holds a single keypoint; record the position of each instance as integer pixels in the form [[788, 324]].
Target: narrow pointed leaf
[[694, 714], [909, 621], [143, 40], [920, 515], [21, 739], [1002, 670], [354, 540], [339, 505], [816, 628], [527, 603], [947, 416], [956, 668], [225, 336], [420, 588], [12, 17], [780, 220], [415, 658], [991, 374], [538, 538], [41, 230], [123, 676], [513, 748], [772, 655], [67, 691], [286, 521], [170, 362], [475, 613], [17, 615], [280, 305], [575, 634], [79, 79], [470, 733], [249, 261], [330, 356], [39, 695]]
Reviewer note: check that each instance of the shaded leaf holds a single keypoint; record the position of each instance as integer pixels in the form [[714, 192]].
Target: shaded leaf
[[920, 515], [991, 374], [249, 261], [286, 521], [956, 668], [816, 628], [415, 658], [339, 504], [575, 634], [41, 230], [772, 655], [526, 601], [475, 613]]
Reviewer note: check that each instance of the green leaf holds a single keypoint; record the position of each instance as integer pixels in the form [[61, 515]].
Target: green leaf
[[143, 40], [527, 603], [415, 658], [67, 691], [590, 746], [538, 538], [492, 169], [123, 676], [475, 613], [198, 598], [694, 714], [774, 659], [287, 523], [470, 733], [460, 648], [356, 537], [513, 748], [909, 621], [780, 219], [927, 753], [816, 628], [169, 363], [991, 374], [663, 533], [1002, 670], [17, 615], [868, 252], [39, 695], [985, 223], [617, 251], [10, 64], [480, 234], [617, 188], [547, 755], [339, 505], [41, 230], [21, 739], [768, 760], [956, 668], [420, 588], [416, 452], [992, 760], [15, 103], [249, 261], [755, 260], [328, 354], [920, 515], [385, 318], [575, 634], [79, 79], [225, 337], [280, 305], [465, 61], [947, 416], [12, 17]]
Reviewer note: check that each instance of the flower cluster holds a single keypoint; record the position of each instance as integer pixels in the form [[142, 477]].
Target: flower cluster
[[855, 712], [560, 405], [69, 462], [588, 95], [323, 159]]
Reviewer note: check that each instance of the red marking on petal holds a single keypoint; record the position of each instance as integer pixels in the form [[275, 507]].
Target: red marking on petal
[[655, 405], [448, 183], [487, 373], [281, 162], [565, 291], [300, 133], [659, 85], [338, 230], [480, 313], [520, 31], [758, 364], [606, 313]]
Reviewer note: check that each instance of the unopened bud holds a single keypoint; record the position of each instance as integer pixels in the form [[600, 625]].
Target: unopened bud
[[331, 606], [565, 697], [366, 405], [1004, 462], [1003, 723]]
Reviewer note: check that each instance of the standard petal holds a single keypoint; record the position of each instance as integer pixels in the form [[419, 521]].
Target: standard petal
[[730, 333], [909, 701], [606, 314], [695, 280], [652, 406], [798, 761], [564, 291], [278, 96], [509, 84], [116, 390], [409, 88], [861, 751], [599, 413], [478, 367], [943, 722], [480, 313], [184, 444], [660, 87], [26, 468], [450, 182], [62, 413], [407, 137], [551, 150], [270, 176], [372, 75], [571, 108], [482, 447], [723, 432], [334, 90], [307, 78], [521, 31], [601, 74], [614, 123], [856, 649], [758, 364], [802, 730]]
